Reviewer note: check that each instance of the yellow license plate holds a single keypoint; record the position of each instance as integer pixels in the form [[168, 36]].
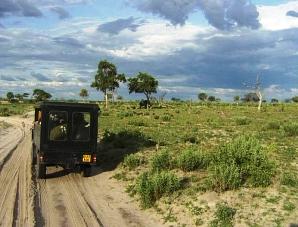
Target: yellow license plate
[[86, 158]]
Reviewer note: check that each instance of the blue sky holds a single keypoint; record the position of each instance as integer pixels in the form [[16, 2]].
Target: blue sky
[[190, 46]]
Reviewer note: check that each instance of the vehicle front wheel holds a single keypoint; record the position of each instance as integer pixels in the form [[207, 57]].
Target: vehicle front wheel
[[86, 171], [41, 170]]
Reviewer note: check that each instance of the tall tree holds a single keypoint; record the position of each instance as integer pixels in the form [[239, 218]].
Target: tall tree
[[202, 96], [84, 93], [10, 96], [295, 99], [41, 95], [236, 99], [257, 88], [211, 98], [143, 83], [107, 79]]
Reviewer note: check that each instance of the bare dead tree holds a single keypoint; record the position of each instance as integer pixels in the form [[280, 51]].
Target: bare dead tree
[[257, 88]]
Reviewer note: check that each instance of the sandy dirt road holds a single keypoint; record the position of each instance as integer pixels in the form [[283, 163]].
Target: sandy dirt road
[[62, 199]]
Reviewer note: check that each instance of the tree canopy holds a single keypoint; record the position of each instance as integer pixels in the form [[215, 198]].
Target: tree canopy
[[10, 96], [107, 78], [41, 95], [143, 83], [202, 96], [84, 93]]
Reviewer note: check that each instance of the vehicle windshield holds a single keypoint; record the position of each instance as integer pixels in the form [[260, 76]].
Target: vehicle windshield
[[81, 126]]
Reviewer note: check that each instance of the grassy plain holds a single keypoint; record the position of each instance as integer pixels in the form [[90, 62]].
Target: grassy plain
[[185, 160], [203, 164]]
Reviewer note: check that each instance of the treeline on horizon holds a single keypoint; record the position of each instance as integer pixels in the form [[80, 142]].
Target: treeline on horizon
[[107, 80]]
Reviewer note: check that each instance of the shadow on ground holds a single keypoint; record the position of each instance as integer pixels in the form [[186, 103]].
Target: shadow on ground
[[115, 146]]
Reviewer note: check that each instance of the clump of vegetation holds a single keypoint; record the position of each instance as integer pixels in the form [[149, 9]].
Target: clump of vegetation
[[273, 125], [4, 112], [161, 161], [242, 121], [224, 215], [151, 186], [166, 117], [242, 161], [289, 179], [190, 139], [291, 129], [132, 161], [192, 159], [288, 206], [138, 123]]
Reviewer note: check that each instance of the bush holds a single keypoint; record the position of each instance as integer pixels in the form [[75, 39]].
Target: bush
[[243, 161], [132, 161], [289, 179], [224, 176], [273, 125], [224, 215], [151, 186], [166, 118], [190, 160], [161, 161], [242, 121], [291, 129], [4, 112]]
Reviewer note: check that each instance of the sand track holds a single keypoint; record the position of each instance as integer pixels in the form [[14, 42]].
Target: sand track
[[62, 199]]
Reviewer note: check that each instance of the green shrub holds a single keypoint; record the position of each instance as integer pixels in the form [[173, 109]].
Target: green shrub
[[161, 161], [4, 112], [273, 125], [225, 176], [151, 186], [289, 179], [242, 121], [166, 118], [291, 129], [242, 161], [288, 206], [191, 159], [132, 161], [224, 216], [138, 123]]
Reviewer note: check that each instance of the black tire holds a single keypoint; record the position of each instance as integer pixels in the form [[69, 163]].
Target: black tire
[[87, 169], [41, 170], [33, 155]]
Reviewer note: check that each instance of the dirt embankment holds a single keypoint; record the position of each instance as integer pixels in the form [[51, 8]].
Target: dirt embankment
[[63, 199]]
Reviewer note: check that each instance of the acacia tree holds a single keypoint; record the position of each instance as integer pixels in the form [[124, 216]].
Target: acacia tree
[[257, 88], [143, 83], [84, 93], [41, 95], [107, 79], [237, 99], [10, 96], [202, 96]]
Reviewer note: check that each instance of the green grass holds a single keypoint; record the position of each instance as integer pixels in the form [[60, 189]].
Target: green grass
[[188, 150], [223, 216], [150, 186]]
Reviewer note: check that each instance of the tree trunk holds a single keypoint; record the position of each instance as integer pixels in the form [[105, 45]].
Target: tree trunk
[[148, 101], [106, 99], [260, 100]]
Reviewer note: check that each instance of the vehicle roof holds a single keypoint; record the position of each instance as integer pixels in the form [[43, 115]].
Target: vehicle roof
[[66, 104]]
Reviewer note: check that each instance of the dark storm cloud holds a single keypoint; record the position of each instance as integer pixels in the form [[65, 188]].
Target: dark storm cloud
[[19, 8], [7, 78], [68, 41], [40, 77], [61, 12], [115, 27], [292, 13], [222, 14]]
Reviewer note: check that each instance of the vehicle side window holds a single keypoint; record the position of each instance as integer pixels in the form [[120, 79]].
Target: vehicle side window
[[81, 126], [58, 125]]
